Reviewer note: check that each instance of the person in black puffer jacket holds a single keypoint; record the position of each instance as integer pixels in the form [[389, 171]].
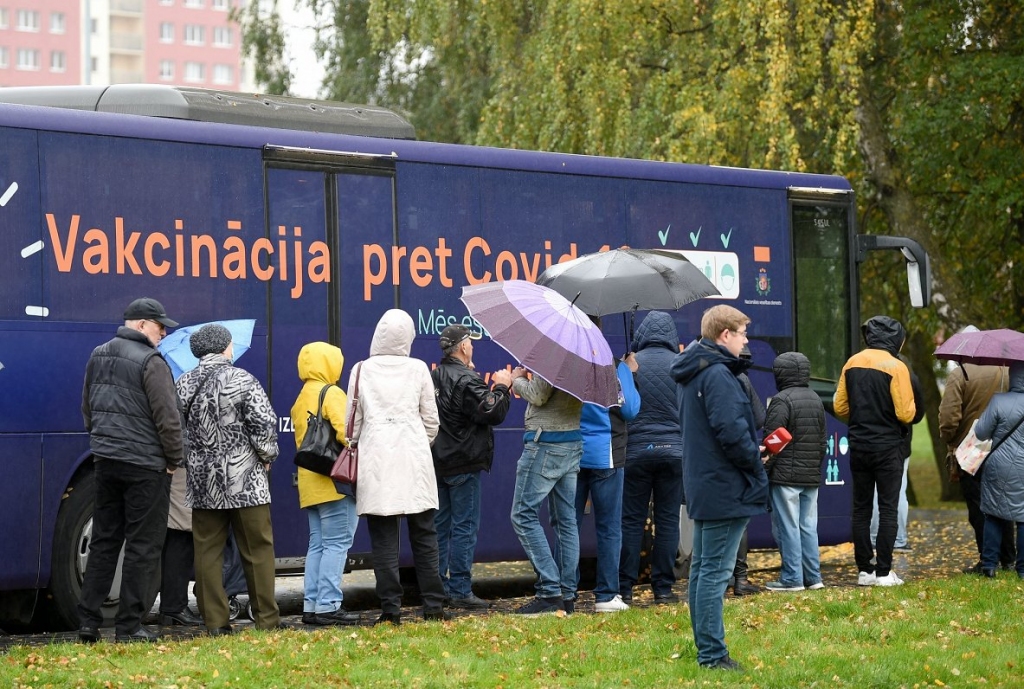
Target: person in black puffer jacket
[[795, 473]]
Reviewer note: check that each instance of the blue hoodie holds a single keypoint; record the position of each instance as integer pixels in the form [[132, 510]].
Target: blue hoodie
[[596, 423], [723, 477], [654, 433]]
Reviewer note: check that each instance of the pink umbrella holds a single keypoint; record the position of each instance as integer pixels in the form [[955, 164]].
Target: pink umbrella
[[983, 347], [548, 335]]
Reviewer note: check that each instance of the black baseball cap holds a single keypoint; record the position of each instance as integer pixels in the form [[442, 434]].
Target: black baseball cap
[[454, 334], [149, 310]]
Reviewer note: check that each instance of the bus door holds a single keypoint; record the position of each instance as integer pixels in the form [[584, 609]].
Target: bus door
[[825, 315], [320, 208]]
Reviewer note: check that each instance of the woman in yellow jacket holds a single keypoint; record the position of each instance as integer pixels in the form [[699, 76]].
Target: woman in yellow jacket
[[332, 516]]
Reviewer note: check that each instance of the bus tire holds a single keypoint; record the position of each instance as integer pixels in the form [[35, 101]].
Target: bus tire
[[71, 538]]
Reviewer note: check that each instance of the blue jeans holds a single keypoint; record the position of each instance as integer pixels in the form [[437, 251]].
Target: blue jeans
[[548, 471], [995, 530], [604, 488], [644, 480], [902, 510], [332, 526], [715, 543], [795, 528], [457, 521]]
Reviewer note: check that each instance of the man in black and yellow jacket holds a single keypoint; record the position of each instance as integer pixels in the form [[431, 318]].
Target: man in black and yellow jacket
[[876, 398]]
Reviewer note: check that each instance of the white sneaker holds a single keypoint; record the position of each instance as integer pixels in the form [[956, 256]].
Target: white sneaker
[[815, 586], [889, 579], [866, 579], [613, 605]]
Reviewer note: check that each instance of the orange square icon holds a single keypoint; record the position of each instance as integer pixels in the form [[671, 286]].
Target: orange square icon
[[763, 254]]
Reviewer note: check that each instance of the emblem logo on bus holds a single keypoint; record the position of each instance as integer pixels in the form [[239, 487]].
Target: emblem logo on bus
[[764, 283]]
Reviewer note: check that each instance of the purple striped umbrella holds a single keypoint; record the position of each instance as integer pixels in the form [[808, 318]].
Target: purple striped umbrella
[[548, 335]]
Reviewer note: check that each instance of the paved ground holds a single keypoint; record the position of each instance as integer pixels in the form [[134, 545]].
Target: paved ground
[[941, 539]]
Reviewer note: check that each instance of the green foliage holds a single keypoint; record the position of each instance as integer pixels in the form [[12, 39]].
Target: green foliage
[[263, 42], [943, 632]]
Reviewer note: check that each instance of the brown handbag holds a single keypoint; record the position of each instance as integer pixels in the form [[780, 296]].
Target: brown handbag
[[346, 466]]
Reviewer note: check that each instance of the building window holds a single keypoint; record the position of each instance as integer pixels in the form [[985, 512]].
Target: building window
[[3, 58], [222, 5], [222, 36], [195, 71], [223, 74], [196, 4], [3, 18], [166, 2], [166, 32], [28, 59], [28, 20], [166, 70], [94, 26], [195, 34], [94, 64], [56, 22], [58, 61]]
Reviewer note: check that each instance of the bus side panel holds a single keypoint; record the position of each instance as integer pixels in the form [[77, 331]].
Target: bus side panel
[[20, 509]]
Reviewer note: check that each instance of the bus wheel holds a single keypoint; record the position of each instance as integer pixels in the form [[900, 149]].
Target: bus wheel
[[72, 537]]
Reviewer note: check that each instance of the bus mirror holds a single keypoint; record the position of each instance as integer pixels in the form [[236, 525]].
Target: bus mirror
[[914, 279], [919, 272]]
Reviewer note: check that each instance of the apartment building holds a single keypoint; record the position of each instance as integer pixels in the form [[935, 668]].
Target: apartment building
[[101, 42]]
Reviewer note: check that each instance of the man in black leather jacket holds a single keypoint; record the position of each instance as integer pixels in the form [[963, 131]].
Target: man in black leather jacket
[[467, 407]]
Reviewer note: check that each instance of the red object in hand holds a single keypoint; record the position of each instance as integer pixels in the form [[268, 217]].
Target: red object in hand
[[775, 441]]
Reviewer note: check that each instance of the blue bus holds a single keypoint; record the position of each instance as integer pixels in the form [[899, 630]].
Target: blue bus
[[313, 219]]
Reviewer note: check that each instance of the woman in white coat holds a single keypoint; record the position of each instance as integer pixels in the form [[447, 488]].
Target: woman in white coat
[[395, 423]]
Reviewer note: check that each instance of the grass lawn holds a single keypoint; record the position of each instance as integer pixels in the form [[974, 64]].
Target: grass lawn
[[961, 631]]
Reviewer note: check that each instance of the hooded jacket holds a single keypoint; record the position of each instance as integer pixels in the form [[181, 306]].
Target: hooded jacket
[[799, 410], [965, 398], [654, 433], [1002, 474], [394, 423], [723, 477], [875, 395], [467, 409], [319, 364]]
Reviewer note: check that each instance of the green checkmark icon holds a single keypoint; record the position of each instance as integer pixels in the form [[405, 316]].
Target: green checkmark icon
[[726, 238], [695, 236], [663, 235]]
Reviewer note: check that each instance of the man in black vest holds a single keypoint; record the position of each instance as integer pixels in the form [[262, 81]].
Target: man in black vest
[[467, 408], [130, 409]]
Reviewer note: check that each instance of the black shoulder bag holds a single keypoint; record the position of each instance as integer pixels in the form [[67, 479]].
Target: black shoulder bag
[[320, 446]]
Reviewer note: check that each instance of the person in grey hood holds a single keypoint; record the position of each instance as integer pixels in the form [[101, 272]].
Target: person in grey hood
[[1002, 474], [876, 398]]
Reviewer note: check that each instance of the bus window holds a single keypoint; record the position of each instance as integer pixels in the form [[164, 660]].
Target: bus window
[[822, 295]]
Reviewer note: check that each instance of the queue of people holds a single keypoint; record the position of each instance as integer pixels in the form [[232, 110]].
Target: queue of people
[[686, 431]]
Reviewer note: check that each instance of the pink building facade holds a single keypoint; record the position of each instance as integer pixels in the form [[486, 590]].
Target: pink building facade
[[40, 42], [101, 42]]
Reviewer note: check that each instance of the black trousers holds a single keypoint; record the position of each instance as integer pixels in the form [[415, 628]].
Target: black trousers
[[971, 488], [131, 509], [384, 543], [881, 471], [176, 570]]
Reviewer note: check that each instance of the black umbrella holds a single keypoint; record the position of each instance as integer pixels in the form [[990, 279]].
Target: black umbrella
[[627, 280]]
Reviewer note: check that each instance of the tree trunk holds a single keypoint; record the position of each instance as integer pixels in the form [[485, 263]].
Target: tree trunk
[[898, 205]]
